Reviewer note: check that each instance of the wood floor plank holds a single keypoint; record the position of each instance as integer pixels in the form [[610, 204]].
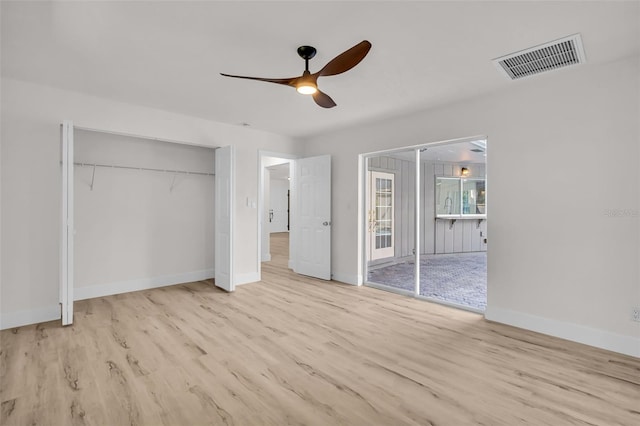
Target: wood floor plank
[[294, 350]]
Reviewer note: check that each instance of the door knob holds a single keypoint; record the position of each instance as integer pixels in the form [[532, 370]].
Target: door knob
[[326, 223]]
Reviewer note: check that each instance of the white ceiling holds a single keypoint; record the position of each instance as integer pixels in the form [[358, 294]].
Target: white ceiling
[[459, 152], [168, 55]]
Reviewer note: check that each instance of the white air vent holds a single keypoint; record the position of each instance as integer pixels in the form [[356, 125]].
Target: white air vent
[[546, 57]]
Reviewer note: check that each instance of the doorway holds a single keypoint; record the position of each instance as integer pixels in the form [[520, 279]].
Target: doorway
[[435, 214], [279, 191], [380, 215], [274, 200], [309, 212]]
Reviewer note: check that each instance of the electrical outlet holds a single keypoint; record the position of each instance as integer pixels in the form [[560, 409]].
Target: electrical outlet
[[635, 313]]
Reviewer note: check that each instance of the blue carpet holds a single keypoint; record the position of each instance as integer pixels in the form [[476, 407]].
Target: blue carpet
[[459, 278]]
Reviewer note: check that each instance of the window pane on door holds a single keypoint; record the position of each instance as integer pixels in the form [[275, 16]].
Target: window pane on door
[[384, 213]]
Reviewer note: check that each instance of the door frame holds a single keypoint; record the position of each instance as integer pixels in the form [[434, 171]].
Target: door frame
[[261, 207], [292, 158], [363, 169], [363, 195]]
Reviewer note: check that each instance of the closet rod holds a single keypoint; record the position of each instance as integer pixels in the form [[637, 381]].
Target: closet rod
[[148, 169]]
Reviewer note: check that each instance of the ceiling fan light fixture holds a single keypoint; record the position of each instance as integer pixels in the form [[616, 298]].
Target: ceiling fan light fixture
[[307, 88], [306, 84]]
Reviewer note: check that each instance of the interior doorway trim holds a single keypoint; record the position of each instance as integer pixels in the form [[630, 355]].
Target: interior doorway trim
[[261, 207]]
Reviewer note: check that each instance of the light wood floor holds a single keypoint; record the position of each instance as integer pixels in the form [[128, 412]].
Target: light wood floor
[[294, 350]]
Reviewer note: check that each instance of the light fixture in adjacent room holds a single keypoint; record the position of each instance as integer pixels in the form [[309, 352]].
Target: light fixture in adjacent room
[[464, 171]]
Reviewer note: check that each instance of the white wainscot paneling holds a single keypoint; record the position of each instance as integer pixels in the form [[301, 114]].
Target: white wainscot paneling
[[464, 235]]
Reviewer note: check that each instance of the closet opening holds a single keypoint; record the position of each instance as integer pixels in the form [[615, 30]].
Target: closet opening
[[139, 213], [144, 213]]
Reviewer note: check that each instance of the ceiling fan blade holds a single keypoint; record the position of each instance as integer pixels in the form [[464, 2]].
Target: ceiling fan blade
[[286, 81], [346, 60], [323, 100]]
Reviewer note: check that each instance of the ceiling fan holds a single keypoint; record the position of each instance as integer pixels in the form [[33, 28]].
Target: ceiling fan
[[307, 82]]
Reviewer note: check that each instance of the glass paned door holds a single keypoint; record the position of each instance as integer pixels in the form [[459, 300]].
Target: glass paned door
[[381, 232]]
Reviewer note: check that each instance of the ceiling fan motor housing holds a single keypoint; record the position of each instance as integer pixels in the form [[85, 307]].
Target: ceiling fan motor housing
[[306, 52]]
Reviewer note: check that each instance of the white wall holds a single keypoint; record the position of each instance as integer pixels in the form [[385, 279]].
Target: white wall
[[31, 195], [139, 228], [576, 274]]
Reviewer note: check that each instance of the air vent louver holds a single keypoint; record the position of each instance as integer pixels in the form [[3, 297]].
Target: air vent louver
[[546, 57]]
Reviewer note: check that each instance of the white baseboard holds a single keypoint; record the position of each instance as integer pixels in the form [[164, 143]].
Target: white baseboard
[[626, 345], [266, 257], [90, 292], [346, 278], [34, 316], [246, 278]]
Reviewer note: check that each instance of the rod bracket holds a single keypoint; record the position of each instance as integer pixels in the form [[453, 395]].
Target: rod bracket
[[93, 178]]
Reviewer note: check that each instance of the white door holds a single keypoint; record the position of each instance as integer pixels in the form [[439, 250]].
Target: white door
[[224, 213], [66, 229], [312, 217], [381, 216]]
